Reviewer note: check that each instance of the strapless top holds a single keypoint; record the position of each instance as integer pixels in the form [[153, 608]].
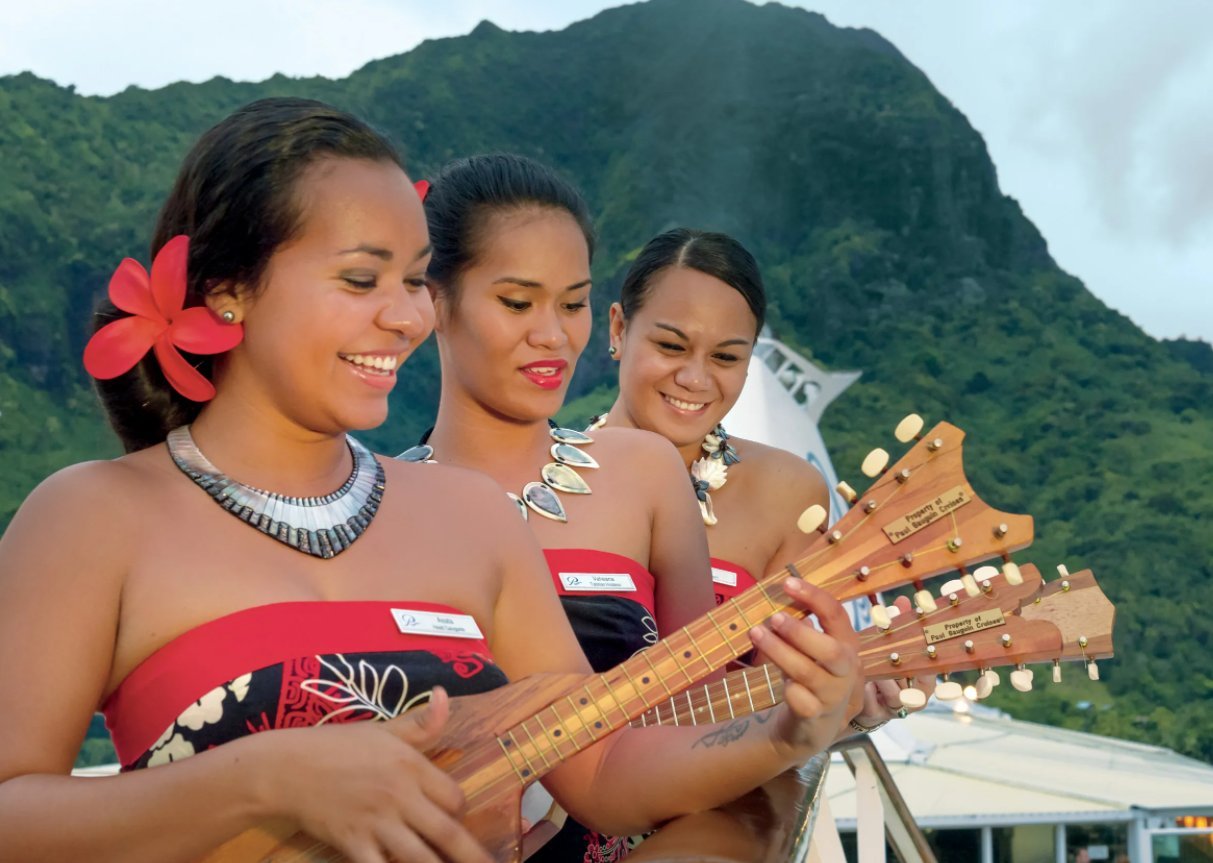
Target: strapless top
[[609, 600], [293, 664]]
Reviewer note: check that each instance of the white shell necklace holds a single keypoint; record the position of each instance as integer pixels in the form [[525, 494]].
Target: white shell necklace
[[707, 473]]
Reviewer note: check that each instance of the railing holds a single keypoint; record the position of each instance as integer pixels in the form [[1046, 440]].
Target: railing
[[788, 820], [881, 812]]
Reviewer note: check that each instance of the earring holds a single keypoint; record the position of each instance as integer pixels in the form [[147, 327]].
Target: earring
[[229, 316], [613, 351]]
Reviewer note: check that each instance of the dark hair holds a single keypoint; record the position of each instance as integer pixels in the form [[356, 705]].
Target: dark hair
[[235, 198], [469, 192], [717, 255]]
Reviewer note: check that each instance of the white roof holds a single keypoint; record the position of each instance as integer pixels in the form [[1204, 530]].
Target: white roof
[[975, 765]]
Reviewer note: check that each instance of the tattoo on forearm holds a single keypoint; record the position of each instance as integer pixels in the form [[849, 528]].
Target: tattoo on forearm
[[732, 732], [722, 737]]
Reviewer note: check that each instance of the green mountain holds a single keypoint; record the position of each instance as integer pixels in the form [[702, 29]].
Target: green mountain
[[871, 202]]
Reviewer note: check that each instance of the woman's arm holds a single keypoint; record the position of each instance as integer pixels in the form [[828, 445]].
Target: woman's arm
[[678, 549], [639, 777], [362, 787], [794, 486]]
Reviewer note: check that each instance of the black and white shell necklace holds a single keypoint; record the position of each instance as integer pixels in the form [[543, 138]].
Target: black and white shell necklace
[[319, 526]]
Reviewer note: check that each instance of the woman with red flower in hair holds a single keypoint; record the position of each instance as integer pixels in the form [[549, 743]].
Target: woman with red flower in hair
[[249, 584]]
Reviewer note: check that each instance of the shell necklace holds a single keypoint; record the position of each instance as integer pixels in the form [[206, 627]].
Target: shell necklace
[[707, 473], [319, 526], [556, 476]]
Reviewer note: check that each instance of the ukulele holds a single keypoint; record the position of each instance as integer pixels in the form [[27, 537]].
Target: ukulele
[[1004, 625], [919, 518]]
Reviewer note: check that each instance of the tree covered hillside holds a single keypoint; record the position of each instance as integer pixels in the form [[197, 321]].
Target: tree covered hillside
[[870, 201]]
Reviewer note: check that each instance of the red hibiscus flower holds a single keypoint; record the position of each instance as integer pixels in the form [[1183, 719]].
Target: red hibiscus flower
[[159, 322]]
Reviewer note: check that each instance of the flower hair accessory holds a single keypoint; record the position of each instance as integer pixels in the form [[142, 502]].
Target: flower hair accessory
[[158, 321], [423, 189]]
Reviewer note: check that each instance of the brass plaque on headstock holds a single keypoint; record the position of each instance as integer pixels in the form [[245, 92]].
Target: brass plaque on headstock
[[963, 625], [926, 515]]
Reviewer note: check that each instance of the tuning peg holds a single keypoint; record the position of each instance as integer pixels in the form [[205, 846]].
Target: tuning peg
[[1021, 679], [992, 676], [892, 610], [881, 617], [909, 428], [949, 690], [970, 692], [970, 585], [1062, 571], [950, 587], [813, 518], [1010, 571], [875, 462], [846, 492], [1056, 671], [924, 600], [1092, 670], [912, 698], [985, 573], [983, 687]]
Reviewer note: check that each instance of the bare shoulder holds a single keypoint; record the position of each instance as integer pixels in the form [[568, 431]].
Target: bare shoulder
[[780, 473], [643, 448], [83, 518], [88, 495], [449, 490]]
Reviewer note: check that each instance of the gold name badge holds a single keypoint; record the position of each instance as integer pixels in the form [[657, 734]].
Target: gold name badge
[[964, 626], [926, 515]]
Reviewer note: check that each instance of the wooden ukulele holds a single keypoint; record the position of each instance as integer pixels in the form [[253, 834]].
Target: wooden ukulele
[[918, 519], [1067, 619]]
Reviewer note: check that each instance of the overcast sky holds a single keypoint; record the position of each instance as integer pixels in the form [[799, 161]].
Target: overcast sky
[[1092, 112]]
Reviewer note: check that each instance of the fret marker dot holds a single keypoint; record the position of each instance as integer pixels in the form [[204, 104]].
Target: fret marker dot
[[686, 655], [733, 626], [584, 702], [525, 773], [644, 680], [556, 733], [506, 743], [597, 724]]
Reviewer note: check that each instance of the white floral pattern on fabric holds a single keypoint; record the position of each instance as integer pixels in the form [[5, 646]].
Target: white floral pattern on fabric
[[207, 710], [240, 685], [174, 749], [365, 689], [650, 633]]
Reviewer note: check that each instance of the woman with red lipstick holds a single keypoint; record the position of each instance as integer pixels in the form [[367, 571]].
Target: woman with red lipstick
[[249, 578], [688, 317], [622, 534]]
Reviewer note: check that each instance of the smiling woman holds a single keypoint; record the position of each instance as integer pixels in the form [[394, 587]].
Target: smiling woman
[[613, 511], [240, 650], [690, 310]]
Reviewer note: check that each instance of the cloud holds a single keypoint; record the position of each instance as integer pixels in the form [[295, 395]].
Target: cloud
[[1116, 87]]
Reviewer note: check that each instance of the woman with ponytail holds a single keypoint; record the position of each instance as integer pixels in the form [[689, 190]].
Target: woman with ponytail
[[249, 585]]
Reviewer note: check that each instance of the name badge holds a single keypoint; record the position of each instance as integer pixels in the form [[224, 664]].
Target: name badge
[[606, 582], [436, 623], [724, 576]]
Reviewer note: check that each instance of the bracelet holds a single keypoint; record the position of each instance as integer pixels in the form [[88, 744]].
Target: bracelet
[[866, 729]]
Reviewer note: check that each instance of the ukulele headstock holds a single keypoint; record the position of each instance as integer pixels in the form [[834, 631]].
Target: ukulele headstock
[[1004, 625], [919, 518]]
